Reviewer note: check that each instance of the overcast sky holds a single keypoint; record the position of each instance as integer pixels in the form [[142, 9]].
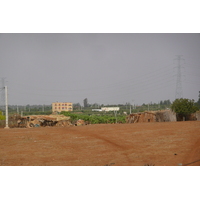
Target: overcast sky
[[105, 68]]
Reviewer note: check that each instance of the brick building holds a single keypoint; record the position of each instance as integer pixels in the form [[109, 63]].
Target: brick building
[[62, 106]]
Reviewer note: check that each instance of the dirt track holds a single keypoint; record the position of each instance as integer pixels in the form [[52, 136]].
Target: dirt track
[[159, 144]]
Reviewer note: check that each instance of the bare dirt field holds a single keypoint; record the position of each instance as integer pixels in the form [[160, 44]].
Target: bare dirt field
[[159, 144]]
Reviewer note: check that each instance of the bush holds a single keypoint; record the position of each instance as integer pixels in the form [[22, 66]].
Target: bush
[[184, 107]]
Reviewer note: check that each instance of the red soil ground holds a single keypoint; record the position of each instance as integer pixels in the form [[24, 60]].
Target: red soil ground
[[159, 144]]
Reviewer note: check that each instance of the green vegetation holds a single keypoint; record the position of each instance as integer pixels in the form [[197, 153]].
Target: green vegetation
[[2, 117], [184, 107], [77, 108], [96, 119]]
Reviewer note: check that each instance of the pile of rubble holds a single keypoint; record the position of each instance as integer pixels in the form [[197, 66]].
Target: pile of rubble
[[43, 120], [153, 116], [140, 117], [80, 122]]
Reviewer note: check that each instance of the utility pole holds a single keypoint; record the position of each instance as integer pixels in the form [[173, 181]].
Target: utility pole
[[6, 102], [130, 108], [115, 112], [148, 106], [179, 92]]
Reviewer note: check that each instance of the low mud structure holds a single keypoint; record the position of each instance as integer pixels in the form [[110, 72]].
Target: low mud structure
[[153, 116], [43, 121]]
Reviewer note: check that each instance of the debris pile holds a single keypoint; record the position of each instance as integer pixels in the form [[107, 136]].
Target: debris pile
[[43, 120], [141, 117], [80, 122], [153, 116]]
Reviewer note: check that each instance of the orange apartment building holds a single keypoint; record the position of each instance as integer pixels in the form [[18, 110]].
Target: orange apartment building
[[62, 106]]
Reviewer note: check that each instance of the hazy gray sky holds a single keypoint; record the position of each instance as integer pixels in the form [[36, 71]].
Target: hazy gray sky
[[105, 68]]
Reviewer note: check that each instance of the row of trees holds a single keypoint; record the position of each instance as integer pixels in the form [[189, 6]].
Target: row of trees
[[183, 108], [124, 108], [96, 119]]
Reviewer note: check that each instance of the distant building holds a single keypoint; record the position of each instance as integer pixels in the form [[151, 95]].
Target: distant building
[[62, 106], [110, 109], [99, 110]]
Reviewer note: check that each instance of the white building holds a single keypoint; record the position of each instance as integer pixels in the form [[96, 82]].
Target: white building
[[99, 110], [107, 109]]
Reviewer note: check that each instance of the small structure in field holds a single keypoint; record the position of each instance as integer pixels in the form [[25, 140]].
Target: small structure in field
[[166, 116], [141, 117], [197, 115], [151, 116]]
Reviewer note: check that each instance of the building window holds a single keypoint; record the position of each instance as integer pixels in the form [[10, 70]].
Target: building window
[[55, 107]]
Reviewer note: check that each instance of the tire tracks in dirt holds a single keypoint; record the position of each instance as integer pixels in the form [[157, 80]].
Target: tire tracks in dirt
[[193, 158], [117, 147]]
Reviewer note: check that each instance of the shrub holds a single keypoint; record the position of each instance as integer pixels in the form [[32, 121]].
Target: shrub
[[184, 107]]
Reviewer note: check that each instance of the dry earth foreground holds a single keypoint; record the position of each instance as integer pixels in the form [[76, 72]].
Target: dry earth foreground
[[140, 144]]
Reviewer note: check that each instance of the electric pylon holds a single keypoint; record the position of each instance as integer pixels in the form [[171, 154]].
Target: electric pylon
[[179, 92]]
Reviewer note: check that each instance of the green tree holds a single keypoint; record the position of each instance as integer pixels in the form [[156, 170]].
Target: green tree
[[184, 107]]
